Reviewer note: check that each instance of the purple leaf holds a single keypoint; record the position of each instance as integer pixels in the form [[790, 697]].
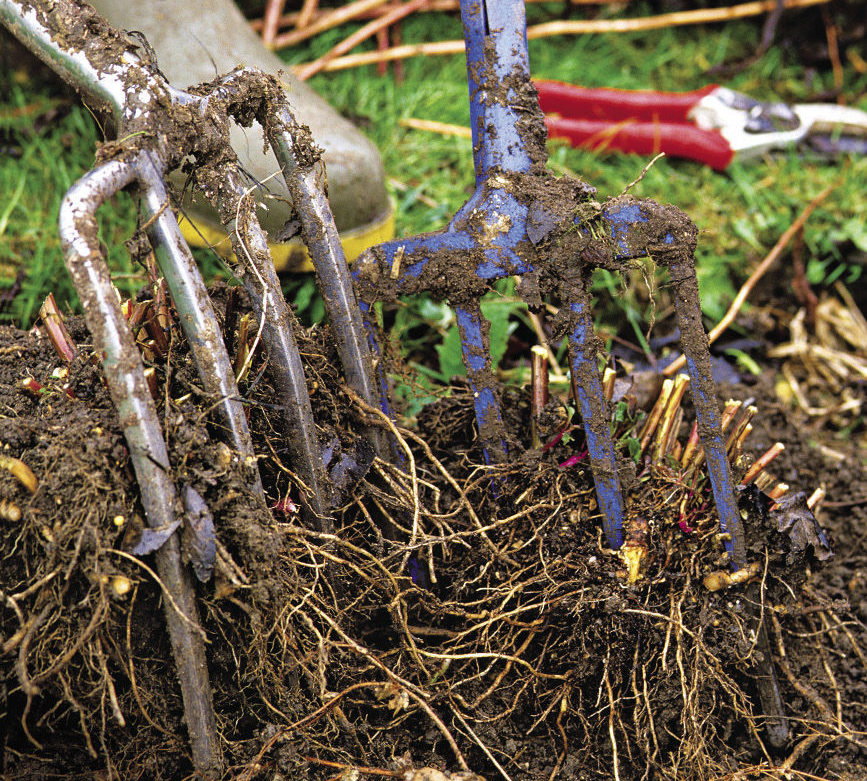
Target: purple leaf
[[201, 544], [154, 538]]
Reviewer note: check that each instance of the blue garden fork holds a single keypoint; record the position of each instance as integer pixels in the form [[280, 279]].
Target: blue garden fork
[[523, 221]]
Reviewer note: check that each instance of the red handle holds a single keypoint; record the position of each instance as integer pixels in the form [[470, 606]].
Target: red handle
[[645, 138], [567, 100]]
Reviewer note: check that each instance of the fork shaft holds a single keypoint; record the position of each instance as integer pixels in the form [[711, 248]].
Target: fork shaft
[[497, 67]]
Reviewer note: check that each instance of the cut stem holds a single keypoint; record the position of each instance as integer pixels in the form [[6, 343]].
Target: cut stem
[[681, 383], [762, 462], [656, 413], [539, 389], [55, 329]]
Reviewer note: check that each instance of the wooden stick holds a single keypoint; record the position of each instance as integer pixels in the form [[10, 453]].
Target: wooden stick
[[395, 35], [443, 128], [760, 271], [676, 19], [577, 27], [306, 14], [382, 44], [273, 12], [368, 30], [392, 54], [295, 19], [328, 20]]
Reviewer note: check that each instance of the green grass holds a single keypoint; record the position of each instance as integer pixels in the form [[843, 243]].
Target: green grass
[[741, 212]]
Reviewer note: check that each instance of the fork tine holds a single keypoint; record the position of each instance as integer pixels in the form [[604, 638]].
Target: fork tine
[[255, 269], [591, 399], [693, 342], [196, 313], [332, 272], [475, 350], [323, 242]]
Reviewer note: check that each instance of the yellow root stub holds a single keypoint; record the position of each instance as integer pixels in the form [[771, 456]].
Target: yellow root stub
[[635, 557]]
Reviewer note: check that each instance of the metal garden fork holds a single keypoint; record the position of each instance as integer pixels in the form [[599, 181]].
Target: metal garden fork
[[520, 221], [523, 221], [158, 128]]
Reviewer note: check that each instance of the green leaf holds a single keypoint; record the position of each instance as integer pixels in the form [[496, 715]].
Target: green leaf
[[744, 362], [451, 363], [497, 311]]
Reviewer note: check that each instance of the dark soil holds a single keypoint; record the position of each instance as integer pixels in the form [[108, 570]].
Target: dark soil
[[446, 624]]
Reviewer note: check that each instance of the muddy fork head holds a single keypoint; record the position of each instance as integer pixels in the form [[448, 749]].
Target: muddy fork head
[[158, 128], [551, 233]]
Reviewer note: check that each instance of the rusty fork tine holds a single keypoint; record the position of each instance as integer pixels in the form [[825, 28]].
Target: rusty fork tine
[[326, 252], [293, 146], [124, 373], [117, 74]]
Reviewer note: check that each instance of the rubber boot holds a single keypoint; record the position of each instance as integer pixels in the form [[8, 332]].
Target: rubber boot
[[198, 41]]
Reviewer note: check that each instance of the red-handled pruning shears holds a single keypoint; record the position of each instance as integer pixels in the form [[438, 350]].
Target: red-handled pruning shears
[[712, 125]]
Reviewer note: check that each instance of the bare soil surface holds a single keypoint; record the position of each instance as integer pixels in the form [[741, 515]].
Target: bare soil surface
[[460, 618]]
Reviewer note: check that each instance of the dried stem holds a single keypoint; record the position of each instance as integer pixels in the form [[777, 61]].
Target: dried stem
[[368, 30], [575, 27], [539, 388], [762, 462]]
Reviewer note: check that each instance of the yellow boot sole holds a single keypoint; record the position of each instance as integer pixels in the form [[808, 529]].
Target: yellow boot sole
[[292, 256]]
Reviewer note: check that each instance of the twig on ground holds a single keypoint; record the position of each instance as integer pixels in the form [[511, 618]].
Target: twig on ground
[[328, 20], [573, 27], [432, 126], [271, 20], [368, 30], [311, 13]]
